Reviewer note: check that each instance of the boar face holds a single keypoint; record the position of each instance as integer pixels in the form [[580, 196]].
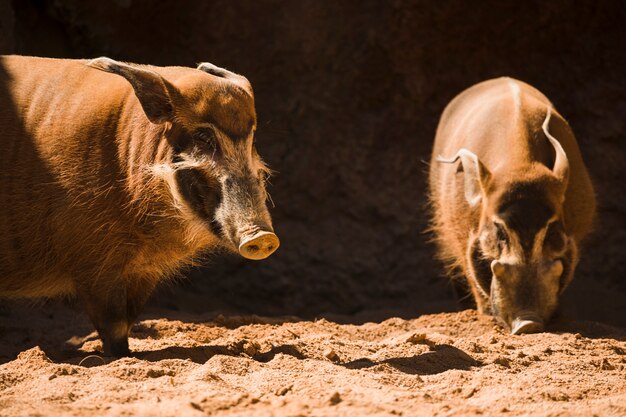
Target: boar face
[[519, 257], [219, 176], [522, 257], [221, 183], [206, 153]]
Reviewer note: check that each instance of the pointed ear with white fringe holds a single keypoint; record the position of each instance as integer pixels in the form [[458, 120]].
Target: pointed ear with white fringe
[[150, 88], [239, 80], [561, 163], [476, 174]]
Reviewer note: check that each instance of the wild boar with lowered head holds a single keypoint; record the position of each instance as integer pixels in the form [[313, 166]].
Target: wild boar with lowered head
[[115, 176], [511, 199]]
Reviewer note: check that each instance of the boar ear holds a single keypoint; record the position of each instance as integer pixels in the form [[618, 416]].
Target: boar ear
[[476, 175], [150, 88], [561, 163], [237, 79], [217, 71]]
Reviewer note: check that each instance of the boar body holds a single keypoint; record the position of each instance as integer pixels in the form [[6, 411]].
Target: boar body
[[511, 198], [115, 176]]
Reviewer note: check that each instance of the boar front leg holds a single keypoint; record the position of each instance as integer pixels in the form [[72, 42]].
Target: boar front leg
[[137, 296], [107, 309]]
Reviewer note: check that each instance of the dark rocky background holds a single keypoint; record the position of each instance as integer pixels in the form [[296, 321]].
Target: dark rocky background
[[348, 95]]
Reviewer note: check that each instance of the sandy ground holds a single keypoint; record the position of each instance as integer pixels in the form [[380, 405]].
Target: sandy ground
[[443, 364]]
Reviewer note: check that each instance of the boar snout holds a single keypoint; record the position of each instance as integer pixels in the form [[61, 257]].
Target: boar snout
[[244, 219], [258, 245], [526, 322]]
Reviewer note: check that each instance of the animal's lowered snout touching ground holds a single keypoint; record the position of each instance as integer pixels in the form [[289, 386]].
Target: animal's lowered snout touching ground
[[115, 176], [511, 200]]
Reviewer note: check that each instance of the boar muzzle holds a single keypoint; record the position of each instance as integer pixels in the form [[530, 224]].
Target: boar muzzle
[[258, 245], [526, 323]]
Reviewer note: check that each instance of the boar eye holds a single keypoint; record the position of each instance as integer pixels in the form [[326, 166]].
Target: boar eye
[[501, 235], [206, 135], [554, 237], [207, 140]]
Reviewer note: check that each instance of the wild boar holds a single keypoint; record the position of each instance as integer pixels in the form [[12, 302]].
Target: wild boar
[[512, 199], [114, 176]]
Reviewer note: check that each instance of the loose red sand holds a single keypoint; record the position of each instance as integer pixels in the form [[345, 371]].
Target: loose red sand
[[441, 365]]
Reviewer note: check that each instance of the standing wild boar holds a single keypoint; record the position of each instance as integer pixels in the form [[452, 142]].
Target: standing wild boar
[[512, 199], [114, 176]]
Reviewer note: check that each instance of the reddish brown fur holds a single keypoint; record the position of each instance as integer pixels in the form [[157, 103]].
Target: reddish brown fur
[[500, 121], [82, 211]]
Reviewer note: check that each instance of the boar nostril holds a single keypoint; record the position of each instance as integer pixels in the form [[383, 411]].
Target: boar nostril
[[259, 245]]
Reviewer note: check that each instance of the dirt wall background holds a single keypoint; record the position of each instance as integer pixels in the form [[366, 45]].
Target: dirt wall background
[[348, 95]]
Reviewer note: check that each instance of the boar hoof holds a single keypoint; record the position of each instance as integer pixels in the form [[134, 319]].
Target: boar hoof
[[526, 324], [117, 349], [259, 246]]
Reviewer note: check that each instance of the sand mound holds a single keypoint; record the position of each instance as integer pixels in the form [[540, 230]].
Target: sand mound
[[441, 364]]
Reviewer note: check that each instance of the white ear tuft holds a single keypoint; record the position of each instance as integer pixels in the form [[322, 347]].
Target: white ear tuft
[[476, 174]]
